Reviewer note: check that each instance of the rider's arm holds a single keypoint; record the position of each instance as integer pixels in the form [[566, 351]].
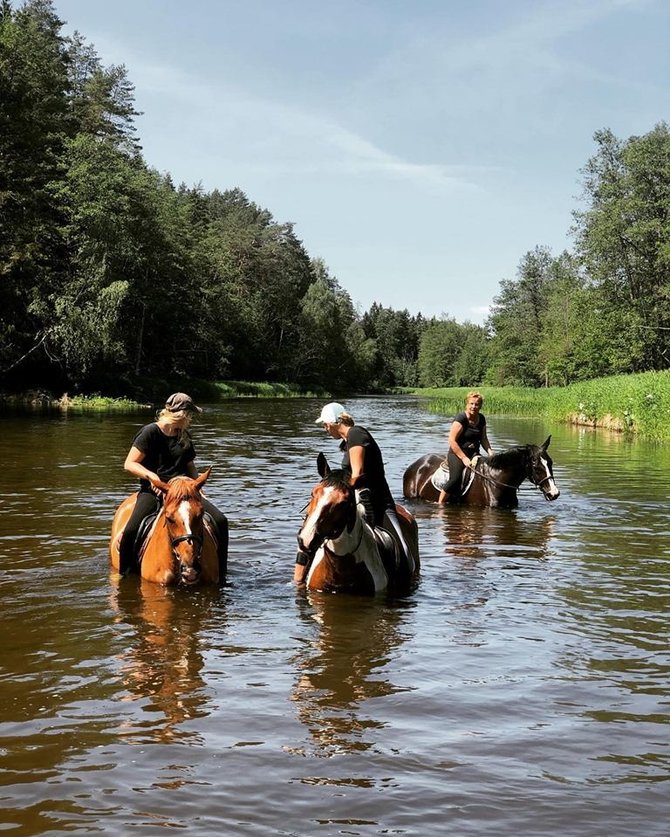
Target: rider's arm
[[133, 465], [356, 463], [486, 444]]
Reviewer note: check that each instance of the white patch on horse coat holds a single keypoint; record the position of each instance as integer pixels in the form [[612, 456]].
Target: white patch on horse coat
[[361, 545], [308, 530], [185, 514], [553, 490]]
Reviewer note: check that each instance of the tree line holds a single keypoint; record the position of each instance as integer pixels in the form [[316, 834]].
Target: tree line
[[112, 274]]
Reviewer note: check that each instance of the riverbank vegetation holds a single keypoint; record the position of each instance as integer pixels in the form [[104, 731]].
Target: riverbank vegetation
[[638, 404], [113, 276], [200, 390]]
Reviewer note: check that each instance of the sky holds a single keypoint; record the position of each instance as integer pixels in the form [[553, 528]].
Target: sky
[[420, 147]]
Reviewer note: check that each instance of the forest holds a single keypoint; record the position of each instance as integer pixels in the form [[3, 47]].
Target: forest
[[112, 274]]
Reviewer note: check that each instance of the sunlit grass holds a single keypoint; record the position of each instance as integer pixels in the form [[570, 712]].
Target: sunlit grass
[[637, 404]]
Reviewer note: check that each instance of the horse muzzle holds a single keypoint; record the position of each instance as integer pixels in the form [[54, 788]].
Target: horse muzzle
[[189, 575], [550, 491]]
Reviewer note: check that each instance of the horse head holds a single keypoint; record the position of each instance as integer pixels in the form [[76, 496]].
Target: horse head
[[183, 514], [540, 470], [331, 510]]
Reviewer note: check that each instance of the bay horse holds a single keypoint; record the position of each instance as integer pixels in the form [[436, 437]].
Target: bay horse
[[180, 547], [346, 554], [494, 481]]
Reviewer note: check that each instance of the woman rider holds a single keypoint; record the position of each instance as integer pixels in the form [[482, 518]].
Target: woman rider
[[466, 436], [162, 450], [362, 461]]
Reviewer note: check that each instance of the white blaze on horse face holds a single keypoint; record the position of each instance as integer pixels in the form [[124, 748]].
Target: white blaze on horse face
[[308, 531], [184, 512], [551, 490]]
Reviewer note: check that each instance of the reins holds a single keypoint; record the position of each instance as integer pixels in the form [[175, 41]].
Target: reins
[[532, 487]]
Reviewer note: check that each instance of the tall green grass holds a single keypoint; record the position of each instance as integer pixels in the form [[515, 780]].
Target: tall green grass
[[638, 404]]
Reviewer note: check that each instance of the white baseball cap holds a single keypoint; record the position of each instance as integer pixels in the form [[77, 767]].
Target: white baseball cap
[[331, 413]]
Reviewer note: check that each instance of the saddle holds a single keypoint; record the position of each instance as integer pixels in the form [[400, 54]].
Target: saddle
[[440, 476], [390, 546]]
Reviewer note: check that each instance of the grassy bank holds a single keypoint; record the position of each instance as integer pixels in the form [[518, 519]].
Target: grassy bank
[[155, 393], [638, 404]]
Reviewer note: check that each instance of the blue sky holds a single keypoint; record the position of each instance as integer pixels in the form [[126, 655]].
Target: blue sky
[[420, 147]]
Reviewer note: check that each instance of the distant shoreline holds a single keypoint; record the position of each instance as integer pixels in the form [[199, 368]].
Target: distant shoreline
[[629, 404]]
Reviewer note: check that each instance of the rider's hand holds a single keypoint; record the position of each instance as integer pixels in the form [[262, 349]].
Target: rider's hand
[[156, 485]]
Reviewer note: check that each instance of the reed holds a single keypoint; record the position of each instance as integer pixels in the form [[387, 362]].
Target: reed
[[637, 404]]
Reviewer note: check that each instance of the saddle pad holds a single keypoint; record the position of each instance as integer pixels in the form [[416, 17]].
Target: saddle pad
[[440, 478], [470, 474]]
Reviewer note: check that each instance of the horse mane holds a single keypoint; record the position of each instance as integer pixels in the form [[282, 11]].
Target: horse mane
[[507, 458], [336, 479], [182, 488]]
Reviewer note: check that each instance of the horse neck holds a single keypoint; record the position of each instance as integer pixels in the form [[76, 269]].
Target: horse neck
[[349, 542], [512, 472]]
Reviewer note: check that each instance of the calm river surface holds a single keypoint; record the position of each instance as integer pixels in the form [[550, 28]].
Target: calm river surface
[[522, 689]]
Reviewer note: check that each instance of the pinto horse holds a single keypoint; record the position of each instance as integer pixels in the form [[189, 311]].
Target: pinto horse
[[180, 547], [346, 554], [494, 481]]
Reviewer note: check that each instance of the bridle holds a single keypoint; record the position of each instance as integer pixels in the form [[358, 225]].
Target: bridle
[[190, 538], [532, 487], [322, 537]]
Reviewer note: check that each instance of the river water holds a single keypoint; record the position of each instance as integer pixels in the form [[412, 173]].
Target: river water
[[522, 689]]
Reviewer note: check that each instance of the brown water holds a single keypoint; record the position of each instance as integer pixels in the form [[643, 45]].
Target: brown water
[[523, 688]]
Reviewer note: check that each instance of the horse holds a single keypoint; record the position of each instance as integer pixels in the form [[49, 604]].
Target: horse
[[346, 554], [180, 547], [492, 481]]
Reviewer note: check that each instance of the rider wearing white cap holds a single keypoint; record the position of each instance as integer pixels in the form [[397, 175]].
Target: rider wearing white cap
[[363, 463]]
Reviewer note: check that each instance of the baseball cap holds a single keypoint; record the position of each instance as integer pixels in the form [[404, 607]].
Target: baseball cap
[[331, 413], [180, 401]]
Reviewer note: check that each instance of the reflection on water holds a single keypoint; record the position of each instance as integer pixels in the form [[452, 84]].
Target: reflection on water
[[474, 533], [161, 667], [522, 688], [341, 667]]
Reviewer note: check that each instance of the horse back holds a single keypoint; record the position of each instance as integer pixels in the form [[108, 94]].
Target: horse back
[[121, 517], [416, 482]]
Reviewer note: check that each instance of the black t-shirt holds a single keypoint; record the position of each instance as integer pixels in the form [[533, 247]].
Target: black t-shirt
[[470, 438], [164, 455], [373, 476]]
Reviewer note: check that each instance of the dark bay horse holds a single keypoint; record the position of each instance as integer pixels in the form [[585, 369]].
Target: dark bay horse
[[347, 555], [495, 479], [180, 547]]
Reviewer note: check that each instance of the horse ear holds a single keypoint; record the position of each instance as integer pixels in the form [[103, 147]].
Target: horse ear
[[322, 465], [546, 444], [201, 479]]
